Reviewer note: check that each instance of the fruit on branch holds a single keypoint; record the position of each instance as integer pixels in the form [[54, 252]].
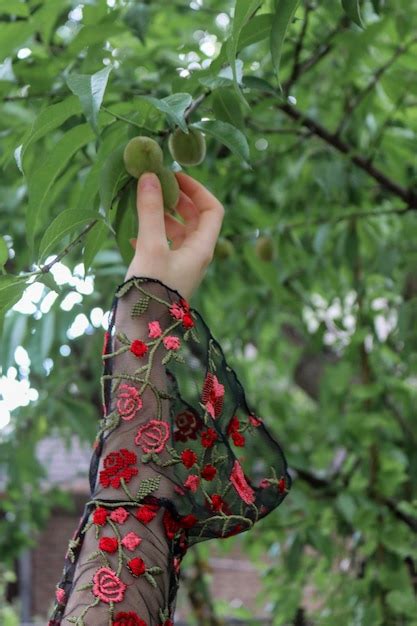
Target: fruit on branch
[[223, 249], [187, 148], [264, 248], [170, 188], [143, 154]]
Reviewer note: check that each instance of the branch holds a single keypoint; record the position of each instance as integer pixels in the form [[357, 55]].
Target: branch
[[298, 49], [407, 195], [46, 268]]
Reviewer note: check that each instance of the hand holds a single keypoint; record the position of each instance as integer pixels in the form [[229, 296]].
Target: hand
[[183, 265]]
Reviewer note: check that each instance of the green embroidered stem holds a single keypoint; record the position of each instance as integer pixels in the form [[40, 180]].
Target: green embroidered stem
[[126, 490], [119, 547]]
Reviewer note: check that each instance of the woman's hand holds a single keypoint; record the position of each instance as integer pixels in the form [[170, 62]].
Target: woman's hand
[[183, 265]]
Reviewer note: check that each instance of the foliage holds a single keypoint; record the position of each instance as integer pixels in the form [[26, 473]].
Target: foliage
[[310, 141]]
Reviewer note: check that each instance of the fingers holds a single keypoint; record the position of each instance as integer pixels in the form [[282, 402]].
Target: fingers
[[211, 212], [150, 206], [188, 210], [176, 231]]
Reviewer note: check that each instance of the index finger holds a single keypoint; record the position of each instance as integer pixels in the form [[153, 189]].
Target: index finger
[[211, 213]]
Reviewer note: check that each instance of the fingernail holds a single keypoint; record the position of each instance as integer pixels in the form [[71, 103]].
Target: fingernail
[[148, 181]]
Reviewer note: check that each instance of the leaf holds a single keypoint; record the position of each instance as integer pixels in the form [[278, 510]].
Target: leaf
[[244, 9], [65, 223], [284, 14], [4, 252], [112, 177], [226, 107], [13, 35], [41, 180], [90, 91], [50, 118], [94, 241], [11, 290], [14, 7], [227, 134], [137, 19], [173, 106], [140, 306], [352, 9]]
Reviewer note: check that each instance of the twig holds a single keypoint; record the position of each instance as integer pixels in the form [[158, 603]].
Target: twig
[[78, 239], [298, 49]]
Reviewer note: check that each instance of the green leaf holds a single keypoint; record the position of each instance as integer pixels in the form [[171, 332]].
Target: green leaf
[[90, 90], [11, 290], [4, 252], [352, 9], [284, 13], [173, 106], [65, 223], [226, 107], [50, 118], [113, 176], [94, 241], [244, 10], [14, 7], [42, 179], [137, 19], [13, 35], [227, 134]]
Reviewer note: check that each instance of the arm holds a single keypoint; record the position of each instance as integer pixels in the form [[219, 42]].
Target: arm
[[169, 465]]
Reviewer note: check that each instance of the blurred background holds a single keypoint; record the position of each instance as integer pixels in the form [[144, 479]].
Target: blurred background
[[310, 115]]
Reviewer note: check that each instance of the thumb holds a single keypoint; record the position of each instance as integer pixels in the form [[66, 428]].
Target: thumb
[[150, 206]]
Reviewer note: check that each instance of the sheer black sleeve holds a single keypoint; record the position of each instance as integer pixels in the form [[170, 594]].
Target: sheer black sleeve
[[179, 458]]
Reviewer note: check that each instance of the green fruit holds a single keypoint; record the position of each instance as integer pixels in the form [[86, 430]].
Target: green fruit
[[223, 249], [187, 148], [143, 154], [264, 248], [170, 188]]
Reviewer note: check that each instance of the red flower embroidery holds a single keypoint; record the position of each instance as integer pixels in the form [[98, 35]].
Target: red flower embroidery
[[208, 437], [116, 466], [128, 402], [239, 482], [188, 424], [213, 395], [119, 515], [105, 342], [255, 421], [170, 524], [146, 513], [60, 595], [188, 457], [154, 329], [138, 348], [281, 485], [171, 342], [137, 566], [187, 321], [192, 482], [264, 483], [208, 472], [128, 619], [188, 521], [107, 586], [238, 439], [108, 544], [217, 502], [234, 531], [233, 431], [152, 436], [100, 516]]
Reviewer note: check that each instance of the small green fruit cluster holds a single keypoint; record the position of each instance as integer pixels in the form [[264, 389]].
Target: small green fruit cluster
[[264, 248], [187, 148], [144, 154]]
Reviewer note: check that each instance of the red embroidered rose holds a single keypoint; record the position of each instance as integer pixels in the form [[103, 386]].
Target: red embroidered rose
[[128, 619], [138, 348], [119, 515], [187, 321], [107, 586], [170, 524], [208, 437], [188, 424], [147, 512], [154, 329], [234, 531], [171, 342], [265, 482], [179, 309], [213, 395], [255, 421], [128, 402], [192, 482], [238, 439], [188, 457], [152, 436], [208, 472], [100, 516], [60, 595], [108, 544], [233, 425], [217, 502], [188, 521], [131, 541], [117, 466], [137, 566], [281, 485], [168, 622], [239, 482]]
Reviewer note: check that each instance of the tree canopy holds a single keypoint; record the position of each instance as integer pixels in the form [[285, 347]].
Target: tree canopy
[[310, 115]]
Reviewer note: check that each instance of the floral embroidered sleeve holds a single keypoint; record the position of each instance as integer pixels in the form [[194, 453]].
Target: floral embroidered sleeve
[[179, 458]]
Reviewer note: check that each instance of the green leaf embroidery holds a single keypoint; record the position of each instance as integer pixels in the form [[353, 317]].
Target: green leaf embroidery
[[150, 579], [148, 486], [140, 306]]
